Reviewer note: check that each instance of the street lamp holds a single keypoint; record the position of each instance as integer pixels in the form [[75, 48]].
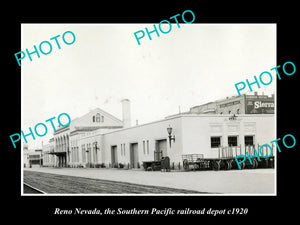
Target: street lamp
[[169, 130]]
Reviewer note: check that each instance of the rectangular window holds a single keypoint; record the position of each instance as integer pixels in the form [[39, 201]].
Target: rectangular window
[[83, 153], [97, 117], [232, 141], [147, 147], [95, 155], [124, 149], [73, 154], [89, 153], [144, 150], [249, 140], [77, 155], [215, 142]]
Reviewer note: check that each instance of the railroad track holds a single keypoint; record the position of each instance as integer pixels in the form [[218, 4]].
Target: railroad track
[[61, 184], [29, 189]]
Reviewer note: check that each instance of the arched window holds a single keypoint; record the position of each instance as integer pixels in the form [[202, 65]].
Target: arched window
[[97, 117], [238, 111]]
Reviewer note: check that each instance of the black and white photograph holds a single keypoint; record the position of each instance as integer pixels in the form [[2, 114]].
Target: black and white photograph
[[138, 113], [156, 118]]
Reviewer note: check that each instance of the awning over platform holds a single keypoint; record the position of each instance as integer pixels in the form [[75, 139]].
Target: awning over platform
[[58, 153]]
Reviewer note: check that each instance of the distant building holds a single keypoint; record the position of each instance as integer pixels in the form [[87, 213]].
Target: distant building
[[32, 157], [208, 108], [25, 154], [48, 158], [245, 104]]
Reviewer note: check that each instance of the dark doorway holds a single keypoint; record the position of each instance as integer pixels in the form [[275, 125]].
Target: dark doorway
[[160, 149], [134, 156], [114, 156]]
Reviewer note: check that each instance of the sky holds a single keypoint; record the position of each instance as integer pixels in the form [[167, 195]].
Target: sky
[[189, 66]]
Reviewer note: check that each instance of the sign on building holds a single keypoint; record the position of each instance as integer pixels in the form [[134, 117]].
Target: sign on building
[[260, 106]]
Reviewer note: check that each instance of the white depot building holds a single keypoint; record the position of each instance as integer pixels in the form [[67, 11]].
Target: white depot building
[[99, 139]]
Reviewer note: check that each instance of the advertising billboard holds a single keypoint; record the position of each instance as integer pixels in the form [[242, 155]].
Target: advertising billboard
[[260, 106]]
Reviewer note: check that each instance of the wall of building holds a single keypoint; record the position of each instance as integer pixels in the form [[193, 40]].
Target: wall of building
[[265, 128], [197, 131], [33, 158], [77, 140], [205, 108], [151, 132], [87, 150], [192, 136], [48, 158], [193, 133], [234, 105], [89, 120]]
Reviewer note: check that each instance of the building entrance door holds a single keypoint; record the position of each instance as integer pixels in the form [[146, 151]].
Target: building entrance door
[[160, 149], [134, 157], [114, 159]]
